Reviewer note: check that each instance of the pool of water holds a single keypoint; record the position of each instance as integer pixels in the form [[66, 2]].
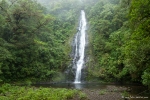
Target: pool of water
[[72, 85], [137, 92]]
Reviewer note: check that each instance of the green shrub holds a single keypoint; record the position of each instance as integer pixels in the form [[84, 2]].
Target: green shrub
[[102, 92], [82, 96], [8, 92], [125, 94]]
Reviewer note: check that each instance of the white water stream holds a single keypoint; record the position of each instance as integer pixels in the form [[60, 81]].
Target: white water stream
[[80, 47]]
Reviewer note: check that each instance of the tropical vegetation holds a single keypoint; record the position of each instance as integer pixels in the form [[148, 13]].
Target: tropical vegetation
[[35, 41]]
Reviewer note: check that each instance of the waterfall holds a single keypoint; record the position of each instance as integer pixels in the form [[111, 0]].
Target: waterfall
[[80, 41]]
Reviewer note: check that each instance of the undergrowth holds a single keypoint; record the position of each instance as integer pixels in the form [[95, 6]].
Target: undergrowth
[[9, 92]]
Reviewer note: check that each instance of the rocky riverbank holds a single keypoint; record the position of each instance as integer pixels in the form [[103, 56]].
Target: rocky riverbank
[[109, 93]]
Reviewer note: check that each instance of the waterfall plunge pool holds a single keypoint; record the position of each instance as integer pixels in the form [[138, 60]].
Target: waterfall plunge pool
[[133, 90]]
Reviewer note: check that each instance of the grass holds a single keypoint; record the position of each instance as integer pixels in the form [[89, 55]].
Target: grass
[[102, 92], [125, 94], [82, 96], [8, 92]]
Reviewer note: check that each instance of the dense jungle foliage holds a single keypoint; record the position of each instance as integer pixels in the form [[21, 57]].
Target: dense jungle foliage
[[35, 41], [120, 41]]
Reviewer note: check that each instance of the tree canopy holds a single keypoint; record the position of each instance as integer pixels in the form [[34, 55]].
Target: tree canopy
[[35, 40]]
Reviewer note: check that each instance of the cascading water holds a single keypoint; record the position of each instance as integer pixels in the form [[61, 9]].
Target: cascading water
[[80, 41]]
